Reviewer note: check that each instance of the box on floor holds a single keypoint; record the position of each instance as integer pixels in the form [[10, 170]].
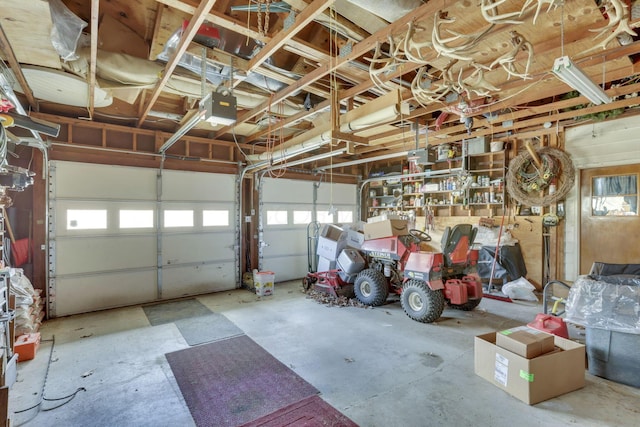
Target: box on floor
[[531, 380], [525, 341]]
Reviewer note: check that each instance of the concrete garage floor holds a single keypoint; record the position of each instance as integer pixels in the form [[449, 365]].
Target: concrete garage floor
[[376, 366]]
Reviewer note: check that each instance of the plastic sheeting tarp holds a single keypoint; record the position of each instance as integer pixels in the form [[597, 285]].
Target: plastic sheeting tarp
[[606, 302], [509, 265]]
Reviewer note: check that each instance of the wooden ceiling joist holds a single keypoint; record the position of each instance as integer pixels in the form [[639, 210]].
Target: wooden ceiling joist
[[188, 35]]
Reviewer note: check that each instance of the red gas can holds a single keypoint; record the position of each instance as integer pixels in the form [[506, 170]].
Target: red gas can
[[550, 324]]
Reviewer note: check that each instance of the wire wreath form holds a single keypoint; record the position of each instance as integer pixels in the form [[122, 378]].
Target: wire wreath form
[[529, 184]]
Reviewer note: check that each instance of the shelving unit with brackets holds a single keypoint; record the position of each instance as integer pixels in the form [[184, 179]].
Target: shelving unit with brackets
[[486, 193], [442, 189]]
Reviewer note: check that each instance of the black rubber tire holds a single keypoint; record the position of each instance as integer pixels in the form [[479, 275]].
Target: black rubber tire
[[420, 302], [371, 287], [467, 306], [307, 282]]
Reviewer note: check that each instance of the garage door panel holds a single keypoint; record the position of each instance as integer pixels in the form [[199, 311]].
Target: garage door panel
[[104, 253], [287, 191], [91, 181], [182, 185], [97, 292], [198, 279], [290, 267], [285, 252], [112, 209], [197, 258], [178, 249], [296, 242], [337, 193]]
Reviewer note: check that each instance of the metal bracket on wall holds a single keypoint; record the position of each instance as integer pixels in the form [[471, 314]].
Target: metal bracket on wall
[[238, 223], [261, 242], [51, 243]]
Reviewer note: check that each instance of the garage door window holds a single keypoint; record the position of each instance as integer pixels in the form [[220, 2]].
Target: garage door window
[[277, 218], [136, 218], [86, 219], [345, 217], [301, 217], [324, 217], [178, 218], [211, 218]]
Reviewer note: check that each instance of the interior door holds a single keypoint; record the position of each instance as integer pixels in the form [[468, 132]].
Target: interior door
[[610, 222]]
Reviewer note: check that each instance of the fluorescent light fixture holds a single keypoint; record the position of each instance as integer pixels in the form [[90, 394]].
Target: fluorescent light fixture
[[572, 75], [307, 141], [311, 159], [366, 160], [216, 108], [378, 111]]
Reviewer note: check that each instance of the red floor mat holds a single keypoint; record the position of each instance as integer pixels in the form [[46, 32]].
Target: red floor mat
[[310, 412], [233, 381]]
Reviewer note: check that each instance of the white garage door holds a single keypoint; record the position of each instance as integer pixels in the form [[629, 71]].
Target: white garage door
[[286, 209], [122, 235]]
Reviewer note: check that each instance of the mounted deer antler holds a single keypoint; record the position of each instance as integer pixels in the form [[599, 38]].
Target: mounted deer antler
[[424, 95], [618, 14], [461, 51], [507, 61], [552, 3], [490, 13], [381, 64], [477, 83], [410, 45]]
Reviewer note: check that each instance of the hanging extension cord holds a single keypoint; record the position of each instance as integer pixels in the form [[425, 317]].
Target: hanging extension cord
[[44, 385]]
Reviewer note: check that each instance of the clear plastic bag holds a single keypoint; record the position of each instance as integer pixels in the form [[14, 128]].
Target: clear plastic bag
[[21, 287], [520, 289], [606, 302], [66, 30]]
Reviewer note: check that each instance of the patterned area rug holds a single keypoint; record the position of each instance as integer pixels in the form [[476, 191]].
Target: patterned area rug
[[235, 381]]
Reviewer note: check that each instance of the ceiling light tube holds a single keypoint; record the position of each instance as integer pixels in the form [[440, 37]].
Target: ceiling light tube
[[572, 75], [293, 147], [367, 160], [322, 156], [383, 109], [182, 131], [281, 156]]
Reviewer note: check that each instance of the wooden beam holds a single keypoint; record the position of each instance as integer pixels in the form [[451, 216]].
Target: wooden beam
[[189, 33], [223, 21], [358, 50], [530, 121], [218, 19], [304, 18], [5, 46], [95, 13]]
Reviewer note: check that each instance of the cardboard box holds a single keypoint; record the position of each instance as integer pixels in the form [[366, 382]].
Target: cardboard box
[[386, 228], [325, 264], [331, 242], [355, 239], [531, 380], [525, 341], [383, 217]]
